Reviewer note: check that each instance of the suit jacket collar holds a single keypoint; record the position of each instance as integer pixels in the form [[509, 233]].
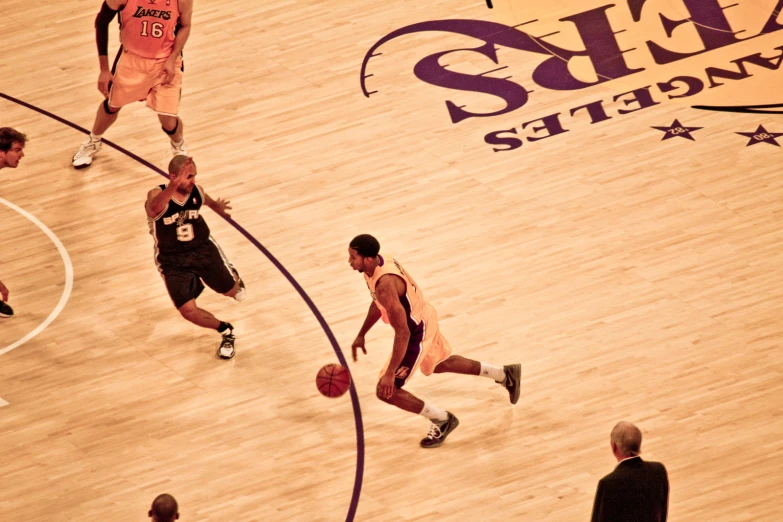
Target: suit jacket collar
[[630, 461]]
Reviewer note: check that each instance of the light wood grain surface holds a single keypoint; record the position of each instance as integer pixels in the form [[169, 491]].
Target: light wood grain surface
[[634, 278]]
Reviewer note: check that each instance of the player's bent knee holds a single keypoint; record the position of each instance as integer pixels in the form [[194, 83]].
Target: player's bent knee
[[107, 108], [190, 315], [189, 311], [233, 291], [169, 124], [446, 365]]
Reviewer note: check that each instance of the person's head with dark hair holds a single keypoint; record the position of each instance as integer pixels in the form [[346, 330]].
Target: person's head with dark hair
[[11, 144], [365, 245], [626, 441], [179, 161], [164, 509], [362, 253]]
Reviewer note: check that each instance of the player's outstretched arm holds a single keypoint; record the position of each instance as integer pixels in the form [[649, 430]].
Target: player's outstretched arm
[[220, 206]]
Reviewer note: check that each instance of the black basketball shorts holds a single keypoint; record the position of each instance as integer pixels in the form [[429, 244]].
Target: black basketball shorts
[[186, 273]]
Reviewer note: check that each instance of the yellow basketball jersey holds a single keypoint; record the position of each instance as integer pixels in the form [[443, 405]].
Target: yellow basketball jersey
[[413, 300], [147, 28]]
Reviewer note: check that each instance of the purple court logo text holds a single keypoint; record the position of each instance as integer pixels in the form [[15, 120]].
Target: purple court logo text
[[601, 48]]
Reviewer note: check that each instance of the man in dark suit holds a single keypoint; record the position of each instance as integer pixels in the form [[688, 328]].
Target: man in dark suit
[[636, 491]]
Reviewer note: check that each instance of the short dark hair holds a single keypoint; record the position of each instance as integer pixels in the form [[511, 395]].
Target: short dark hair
[[177, 162], [165, 508], [9, 136], [366, 245]]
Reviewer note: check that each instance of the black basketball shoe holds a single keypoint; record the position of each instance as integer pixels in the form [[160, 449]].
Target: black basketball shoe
[[5, 310], [439, 431], [513, 376]]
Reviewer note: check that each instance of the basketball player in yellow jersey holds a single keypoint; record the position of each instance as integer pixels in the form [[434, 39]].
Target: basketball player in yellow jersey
[[418, 344], [148, 67]]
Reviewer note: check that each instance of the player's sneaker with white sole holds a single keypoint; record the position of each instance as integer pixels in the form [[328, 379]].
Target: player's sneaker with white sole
[[83, 157]]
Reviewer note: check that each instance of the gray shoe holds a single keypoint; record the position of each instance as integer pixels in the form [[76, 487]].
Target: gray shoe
[[511, 383], [439, 431]]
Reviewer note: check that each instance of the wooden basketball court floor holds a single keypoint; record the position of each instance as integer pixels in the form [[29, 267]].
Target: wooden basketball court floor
[[634, 277]]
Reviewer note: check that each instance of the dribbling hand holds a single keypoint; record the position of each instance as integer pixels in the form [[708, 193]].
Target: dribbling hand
[[386, 386], [104, 79], [358, 343]]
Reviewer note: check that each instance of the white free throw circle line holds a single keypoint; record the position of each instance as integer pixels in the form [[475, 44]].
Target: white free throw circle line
[[68, 277]]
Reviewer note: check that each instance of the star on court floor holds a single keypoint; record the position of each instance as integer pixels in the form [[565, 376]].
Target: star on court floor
[[676, 130], [761, 135]]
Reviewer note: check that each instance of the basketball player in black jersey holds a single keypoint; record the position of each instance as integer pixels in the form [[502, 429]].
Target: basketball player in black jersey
[[185, 252], [11, 144]]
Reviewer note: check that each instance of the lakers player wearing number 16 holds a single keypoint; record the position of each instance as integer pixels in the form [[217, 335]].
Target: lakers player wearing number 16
[[148, 67]]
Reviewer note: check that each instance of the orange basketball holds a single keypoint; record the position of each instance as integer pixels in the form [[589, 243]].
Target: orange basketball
[[332, 380]]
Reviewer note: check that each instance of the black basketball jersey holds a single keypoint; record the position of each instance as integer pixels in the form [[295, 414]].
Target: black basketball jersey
[[180, 228]]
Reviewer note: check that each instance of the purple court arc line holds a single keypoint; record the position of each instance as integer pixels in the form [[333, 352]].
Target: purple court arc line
[[357, 413]]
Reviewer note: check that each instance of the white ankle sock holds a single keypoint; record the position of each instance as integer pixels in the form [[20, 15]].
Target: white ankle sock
[[95, 137], [434, 413], [178, 144], [493, 372]]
